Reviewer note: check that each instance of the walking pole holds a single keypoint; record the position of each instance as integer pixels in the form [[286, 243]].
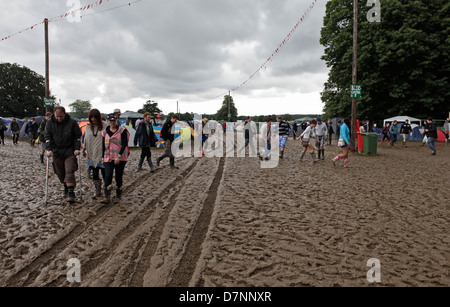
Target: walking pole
[[46, 183], [79, 176]]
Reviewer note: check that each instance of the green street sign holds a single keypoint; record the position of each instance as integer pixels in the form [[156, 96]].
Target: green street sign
[[356, 91], [49, 102]]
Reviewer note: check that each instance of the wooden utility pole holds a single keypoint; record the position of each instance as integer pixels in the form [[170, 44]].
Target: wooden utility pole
[[47, 64], [229, 106], [354, 75]]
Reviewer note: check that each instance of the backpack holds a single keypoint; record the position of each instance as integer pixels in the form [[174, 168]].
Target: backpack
[[3, 127]]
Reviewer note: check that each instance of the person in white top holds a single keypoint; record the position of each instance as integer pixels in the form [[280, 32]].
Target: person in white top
[[266, 137], [321, 132], [305, 137]]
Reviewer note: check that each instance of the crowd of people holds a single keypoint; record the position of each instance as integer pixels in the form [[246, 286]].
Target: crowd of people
[[104, 144]]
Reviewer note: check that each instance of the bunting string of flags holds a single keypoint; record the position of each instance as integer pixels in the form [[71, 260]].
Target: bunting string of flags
[[87, 10], [274, 54]]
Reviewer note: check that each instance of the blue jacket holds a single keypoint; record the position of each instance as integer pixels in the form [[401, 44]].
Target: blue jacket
[[345, 133], [143, 138]]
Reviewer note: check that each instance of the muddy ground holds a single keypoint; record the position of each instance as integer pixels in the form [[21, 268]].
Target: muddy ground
[[228, 222]]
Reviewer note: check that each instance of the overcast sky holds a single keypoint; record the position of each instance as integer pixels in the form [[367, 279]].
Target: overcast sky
[[190, 51]]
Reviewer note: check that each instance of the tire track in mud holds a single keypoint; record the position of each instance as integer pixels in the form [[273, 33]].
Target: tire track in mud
[[27, 275], [130, 230], [142, 266], [183, 274]]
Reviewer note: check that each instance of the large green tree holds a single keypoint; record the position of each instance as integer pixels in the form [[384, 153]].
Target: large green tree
[[80, 108], [223, 112], [403, 61], [151, 107], [21, 91]]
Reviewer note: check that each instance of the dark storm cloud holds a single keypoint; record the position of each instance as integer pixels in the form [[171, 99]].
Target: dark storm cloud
[[168, 49]]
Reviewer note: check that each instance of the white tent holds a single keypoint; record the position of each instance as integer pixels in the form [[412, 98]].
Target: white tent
[[401, 119]]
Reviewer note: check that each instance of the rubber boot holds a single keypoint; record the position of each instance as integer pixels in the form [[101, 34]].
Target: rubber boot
[[335, 159], [302, 156], [107, 199], [172, 163], [42, 159], [141, 162], [346, 162], [66, 190], [323, 154], [98, 189], [313, 156], [282, 154], [119, 193], [319, 152], [158, 162], [71, 195], [150, 164]]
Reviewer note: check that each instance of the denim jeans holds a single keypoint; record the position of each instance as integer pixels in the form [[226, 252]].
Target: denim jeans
[[431, 143]]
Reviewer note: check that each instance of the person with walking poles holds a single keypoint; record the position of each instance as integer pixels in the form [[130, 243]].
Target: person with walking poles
[[63, 143], [169, 138], [321, 132], [405, 130], [15, 131], [431, 132], [343, 143], [44, 121], [115, 156], [283, 128], [146, 138], [393, 131], [93, 148]]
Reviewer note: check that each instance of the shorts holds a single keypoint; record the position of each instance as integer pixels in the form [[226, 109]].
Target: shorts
[[321, 141], [65, 169], [345, 146], [283, 140]]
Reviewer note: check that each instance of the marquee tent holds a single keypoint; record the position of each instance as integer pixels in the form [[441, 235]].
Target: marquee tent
[[401, 119]]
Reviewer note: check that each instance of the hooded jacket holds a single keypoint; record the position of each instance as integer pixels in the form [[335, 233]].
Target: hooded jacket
[[62, 139]]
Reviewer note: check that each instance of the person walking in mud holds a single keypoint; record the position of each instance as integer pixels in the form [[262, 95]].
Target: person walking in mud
[[169, 138], [320, 131], [431, 132], [330, 131], [15, 131], [146, 138], [32, 130], [115, 153], [63, 143], [266, 139], [405, 130], [93, 149], [343, 143], [294, 130], [249, 133], [283, 127], [393, 131], [385, 133], [306, 137], [2, 131]]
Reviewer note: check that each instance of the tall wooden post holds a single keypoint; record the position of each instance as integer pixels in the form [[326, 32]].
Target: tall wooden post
[[354, 75], [47, 64]]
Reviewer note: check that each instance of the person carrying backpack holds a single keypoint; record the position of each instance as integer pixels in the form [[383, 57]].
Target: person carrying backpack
[[168, 137]]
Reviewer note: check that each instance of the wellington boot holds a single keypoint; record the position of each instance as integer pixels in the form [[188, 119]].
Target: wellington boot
[[107, 199]]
